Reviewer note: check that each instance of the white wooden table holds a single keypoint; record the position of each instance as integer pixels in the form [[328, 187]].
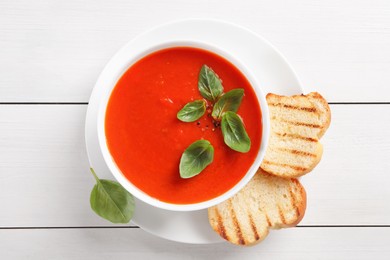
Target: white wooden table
[[51, 53]]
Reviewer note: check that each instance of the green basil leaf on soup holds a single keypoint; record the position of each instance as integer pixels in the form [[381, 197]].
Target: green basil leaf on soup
[[192, 111], [111, 201], [230, 101], [234, 133], [196, 158], [209, 84]]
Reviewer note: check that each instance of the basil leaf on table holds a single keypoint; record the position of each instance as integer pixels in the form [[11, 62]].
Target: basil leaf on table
[[192, 111], [230, 101], [111, 201], [234, 133], [196, 158], [209, 84]]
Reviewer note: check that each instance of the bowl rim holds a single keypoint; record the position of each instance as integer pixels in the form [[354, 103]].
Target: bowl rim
[[121, 66]]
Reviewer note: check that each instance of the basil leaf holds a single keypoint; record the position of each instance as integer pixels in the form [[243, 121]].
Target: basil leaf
[[111, 201], [196, 158], [209, 84], [234, 133], [192, 111], [230, 101]]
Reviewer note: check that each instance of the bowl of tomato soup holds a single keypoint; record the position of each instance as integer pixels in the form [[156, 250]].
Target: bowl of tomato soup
[[142, 140]]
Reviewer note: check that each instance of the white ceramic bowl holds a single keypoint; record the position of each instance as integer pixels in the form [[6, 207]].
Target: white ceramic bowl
[[111, 76]]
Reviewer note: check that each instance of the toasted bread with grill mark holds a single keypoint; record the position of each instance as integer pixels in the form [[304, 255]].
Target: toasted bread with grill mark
[[267, 201], [297, 124]]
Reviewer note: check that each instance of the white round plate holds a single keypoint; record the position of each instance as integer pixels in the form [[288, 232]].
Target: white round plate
[[268, 65]]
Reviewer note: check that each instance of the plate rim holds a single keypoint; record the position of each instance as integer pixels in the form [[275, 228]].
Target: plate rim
[[90, 108]]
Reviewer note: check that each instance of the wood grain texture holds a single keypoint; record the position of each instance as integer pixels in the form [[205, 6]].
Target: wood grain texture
[[55, 50], [45, 181], [44, 167], [298, 243]]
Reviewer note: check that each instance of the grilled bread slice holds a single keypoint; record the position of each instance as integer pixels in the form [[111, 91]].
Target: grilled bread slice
[[297, 124], [267, 201]]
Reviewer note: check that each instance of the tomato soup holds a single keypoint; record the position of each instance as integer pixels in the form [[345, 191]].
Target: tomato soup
[[146, 140]]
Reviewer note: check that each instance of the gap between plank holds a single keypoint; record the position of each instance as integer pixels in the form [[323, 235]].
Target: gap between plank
[[135, 227], [72, 227]]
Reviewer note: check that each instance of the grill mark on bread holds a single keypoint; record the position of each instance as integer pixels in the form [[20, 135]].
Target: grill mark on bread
[[268, 220], [296, 152], [294, 167], [221, 228], [282, 218], [294, 202], [253, 226], [236, 224], [300, 123], [295, 136], [307, 109]]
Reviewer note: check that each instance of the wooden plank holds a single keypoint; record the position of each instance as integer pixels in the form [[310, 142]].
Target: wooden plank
[[45, 181], [55, 50], [350, 184], [296, 243]]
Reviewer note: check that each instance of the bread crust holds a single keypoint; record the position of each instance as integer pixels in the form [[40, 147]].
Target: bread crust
[[324, 108]]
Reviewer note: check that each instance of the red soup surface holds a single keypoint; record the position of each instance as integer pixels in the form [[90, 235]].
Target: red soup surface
[[146, 140]]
